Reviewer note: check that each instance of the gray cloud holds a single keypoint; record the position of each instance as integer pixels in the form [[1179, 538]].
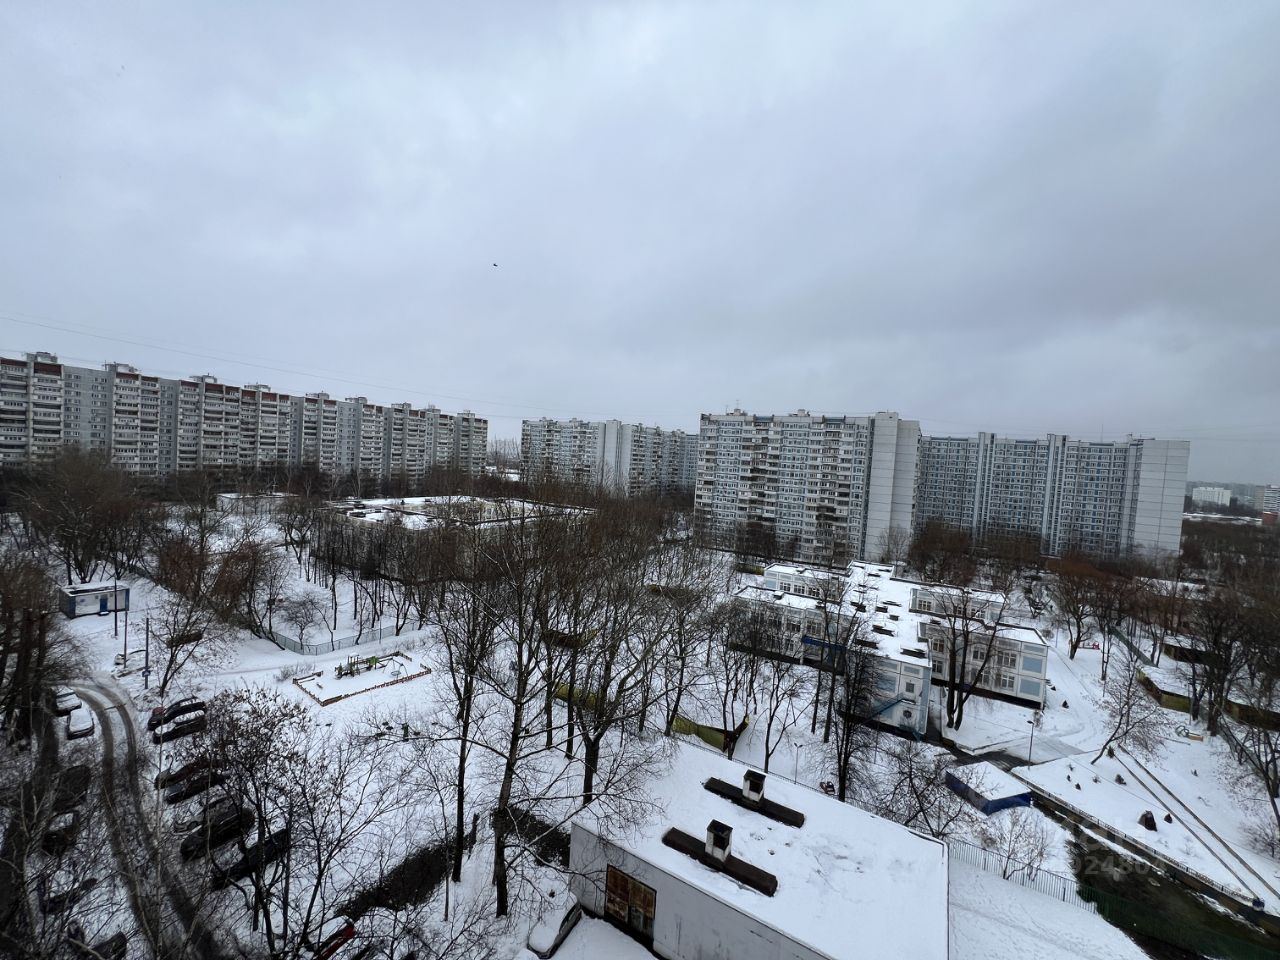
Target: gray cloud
[[1024, 218]]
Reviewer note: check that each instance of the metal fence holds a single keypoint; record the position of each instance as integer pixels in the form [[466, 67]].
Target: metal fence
[[337, 643], [1065, 889]]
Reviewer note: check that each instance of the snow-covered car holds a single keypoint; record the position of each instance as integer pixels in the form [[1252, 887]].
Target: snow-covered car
[[215, 833], [65, 701], [549, 932], [170, 775], [80, 724], [182, 727], [161, 715], [185, 821], [192, 786], [259, 855]]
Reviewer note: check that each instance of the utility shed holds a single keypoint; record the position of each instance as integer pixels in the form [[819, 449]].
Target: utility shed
[[88, 598], [988, 788], [773, 872]]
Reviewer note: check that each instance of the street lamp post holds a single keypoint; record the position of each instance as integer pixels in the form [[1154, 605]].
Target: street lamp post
[[1035, 722]]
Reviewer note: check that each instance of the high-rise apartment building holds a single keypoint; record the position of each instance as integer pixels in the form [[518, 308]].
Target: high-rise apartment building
[[816, 488], [267, 433], [627, 458], [30, 407], [1103, 498], [469, 442], [157, 425]]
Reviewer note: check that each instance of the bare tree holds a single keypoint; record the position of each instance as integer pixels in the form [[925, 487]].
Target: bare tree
[[1134, 719], [915, 793], [1020, 840], [1071, 591]]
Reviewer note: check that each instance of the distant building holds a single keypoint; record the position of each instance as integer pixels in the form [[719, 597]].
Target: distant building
[[1215, 496], [626, 458], [1270, 499], [152, 425], [1102, 498], [737, 864], [815, 488]]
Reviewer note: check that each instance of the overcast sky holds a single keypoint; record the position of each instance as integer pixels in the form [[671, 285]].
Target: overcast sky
[[1022, 218]]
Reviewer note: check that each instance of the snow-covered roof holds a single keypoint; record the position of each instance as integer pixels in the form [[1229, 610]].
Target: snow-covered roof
[[843, 874], [989, 780]]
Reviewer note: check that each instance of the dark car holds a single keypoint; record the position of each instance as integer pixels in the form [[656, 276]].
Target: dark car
[[60, 833], [220, 830], [115, 947], [182, 727], [172, 775], [268, 851], [167, 714], [56, 897], [73, 784], [192, 786]]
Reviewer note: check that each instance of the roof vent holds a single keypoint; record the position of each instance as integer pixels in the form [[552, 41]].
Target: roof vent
[[718, 835], [753, 786]]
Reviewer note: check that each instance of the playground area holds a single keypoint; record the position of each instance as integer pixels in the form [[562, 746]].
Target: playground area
[[360, 674]]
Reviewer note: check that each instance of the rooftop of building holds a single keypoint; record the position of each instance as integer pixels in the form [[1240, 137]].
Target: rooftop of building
[[843, 872], [875, 592]]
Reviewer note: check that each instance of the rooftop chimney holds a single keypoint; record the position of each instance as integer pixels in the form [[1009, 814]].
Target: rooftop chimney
[[718, 835], [753, 786]]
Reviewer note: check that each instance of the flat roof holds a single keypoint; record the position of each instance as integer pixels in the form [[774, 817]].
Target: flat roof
[[989, 780], [844, 875], [101, 586]]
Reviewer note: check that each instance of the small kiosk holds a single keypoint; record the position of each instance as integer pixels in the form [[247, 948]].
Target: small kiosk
[[84, 599]]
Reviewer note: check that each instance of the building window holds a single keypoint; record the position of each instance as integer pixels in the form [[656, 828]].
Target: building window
[[629, 902]]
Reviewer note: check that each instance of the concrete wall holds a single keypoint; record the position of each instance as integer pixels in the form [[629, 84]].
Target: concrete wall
[[688, 924]]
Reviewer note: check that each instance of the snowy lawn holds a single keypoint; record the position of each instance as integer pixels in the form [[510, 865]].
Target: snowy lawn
[[992, 919], [1094, 789]]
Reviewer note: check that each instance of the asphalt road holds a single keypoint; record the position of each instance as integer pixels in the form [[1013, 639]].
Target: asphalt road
[[167, 916]]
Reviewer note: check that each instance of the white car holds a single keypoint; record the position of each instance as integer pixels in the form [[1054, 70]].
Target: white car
[[65, 701], [80, 725]]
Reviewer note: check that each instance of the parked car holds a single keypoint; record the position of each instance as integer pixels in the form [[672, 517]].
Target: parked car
[[182, 727], [185, 821], [223, 829], [80, 724], [330, 937], [170, 775], [161, 715], [72, 786], [259, 855], [192, 786], [59, 893], [65, 701], [60, 833], [115, 947]]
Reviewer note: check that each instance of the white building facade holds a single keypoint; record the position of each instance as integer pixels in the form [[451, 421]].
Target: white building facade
[[1102, 498], [813, 487], [627, 458], [153, 426]]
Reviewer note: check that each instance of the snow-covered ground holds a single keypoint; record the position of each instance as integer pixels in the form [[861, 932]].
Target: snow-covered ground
[[989, 917], [995, 920]]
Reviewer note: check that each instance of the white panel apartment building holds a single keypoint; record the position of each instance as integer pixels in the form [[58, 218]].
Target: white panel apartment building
[[1104, 498], [153, 425], [628, 458], [266, 427], [819, 488]]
